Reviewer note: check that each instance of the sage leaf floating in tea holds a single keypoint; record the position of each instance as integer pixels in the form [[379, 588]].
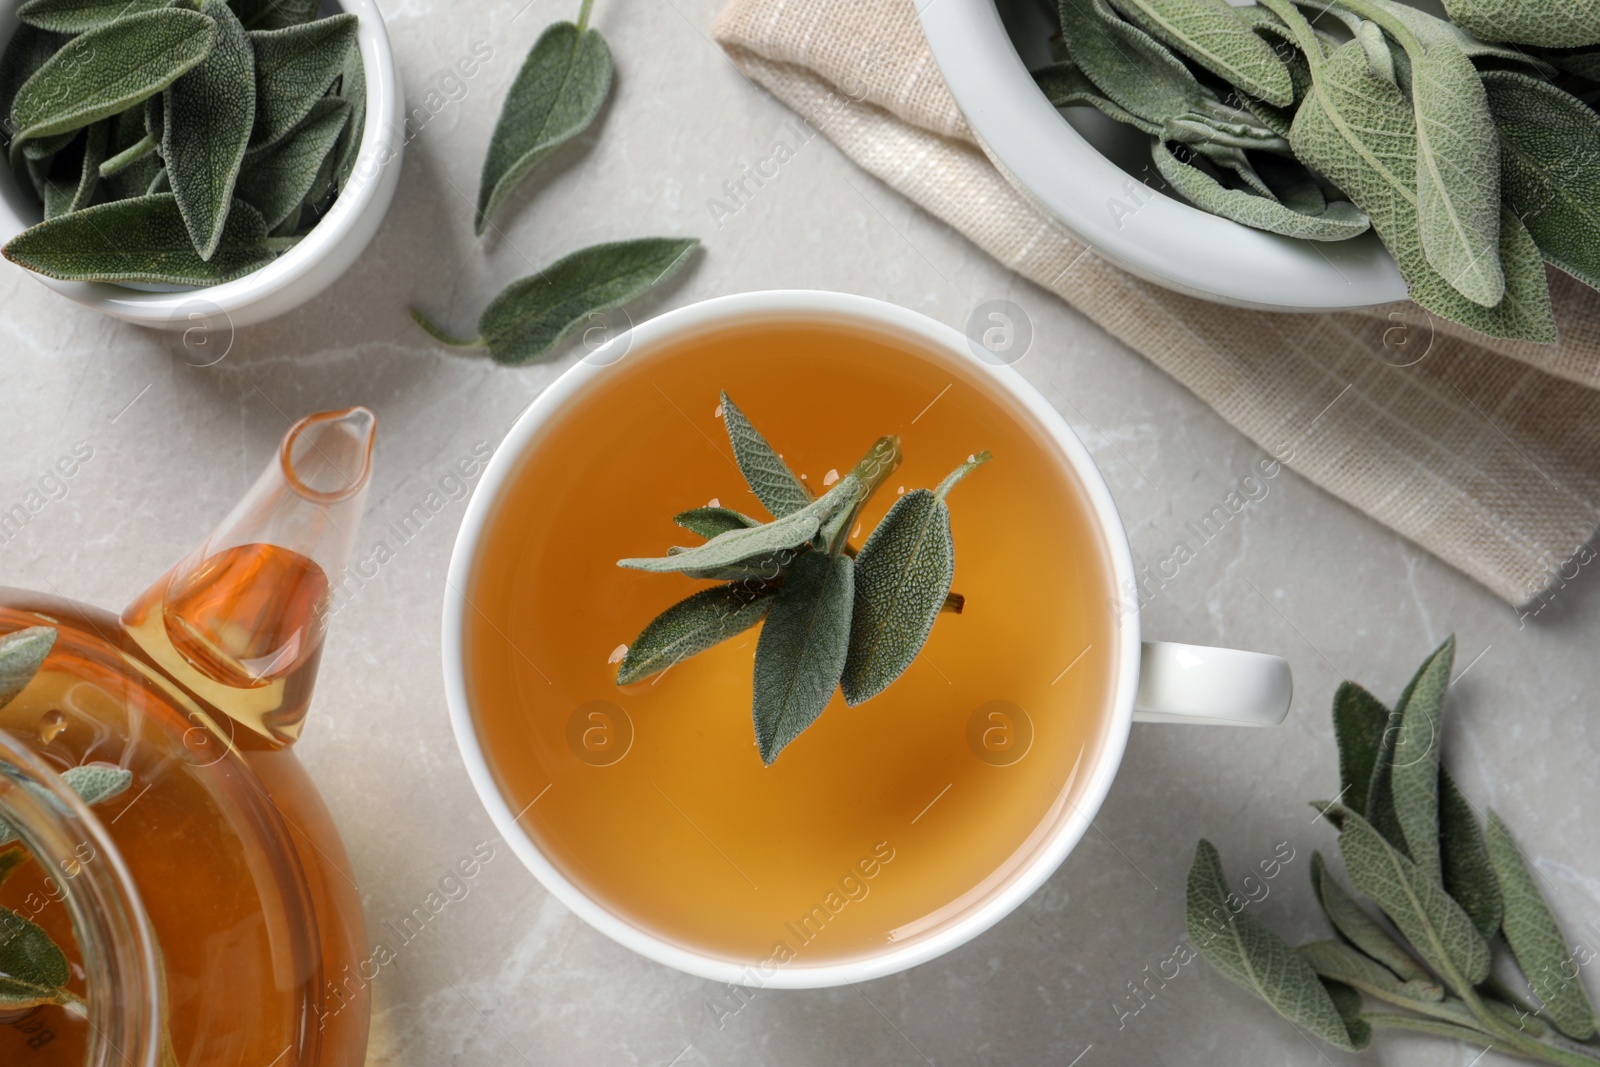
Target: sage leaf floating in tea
[[281, 177], [80, 16], [801, 653], [104, 71], [693, 625], [773, 483], [1546, 23], [1550, 168], [22, 652], [556, 95], [1214, 37], [97, 782], [33, 969], [524, 323], [10, 860], [1537, 942], [1245, 950], [209, 115], [709, 522], [295, 66], [903, 574], [1448, 919], [142, 239], [1336, 222]]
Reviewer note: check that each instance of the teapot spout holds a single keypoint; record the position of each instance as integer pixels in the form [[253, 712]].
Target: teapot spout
[[240, 621]]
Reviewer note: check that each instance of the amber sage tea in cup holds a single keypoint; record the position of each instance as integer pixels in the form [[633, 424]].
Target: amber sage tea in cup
[[882, 828]]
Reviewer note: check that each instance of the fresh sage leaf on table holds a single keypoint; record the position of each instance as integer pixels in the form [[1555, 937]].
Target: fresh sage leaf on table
[[801, 652], [104, 71], [22, 653], [1246, 951], [80, 16], [1129, 66], [142, 239], [902, 577], [1545, 23], [1541, 950], [1414, 772], [556, 95], [274, 14], [1359, 720], [209, 115], [711, 522], [1365, 933], [277, 180], [1468, 875], [693, 625], [294, 67], [1339, 221], [1550, 168], [769, 477], [1340, 962], [1214, 37], [525, 321], [1358, 131]]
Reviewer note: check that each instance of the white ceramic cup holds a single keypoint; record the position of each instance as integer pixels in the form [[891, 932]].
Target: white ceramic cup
[[301, 273], [1154, 682]]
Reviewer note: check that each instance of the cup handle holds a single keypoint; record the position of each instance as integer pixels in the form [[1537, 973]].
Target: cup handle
[[1196, 684]]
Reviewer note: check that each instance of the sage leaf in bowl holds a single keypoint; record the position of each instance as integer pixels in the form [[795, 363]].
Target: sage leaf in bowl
[[832, 618]]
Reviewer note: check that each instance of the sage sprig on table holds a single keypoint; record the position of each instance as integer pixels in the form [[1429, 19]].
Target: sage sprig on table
[[557, 94], [835, 618], [1449, 139], [1412, 844], [231, 125], [33, 969]]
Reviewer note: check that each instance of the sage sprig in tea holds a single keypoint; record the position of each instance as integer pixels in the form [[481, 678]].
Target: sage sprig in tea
[[188, 142], [1411, 842], [835, 618], [1461, 143]]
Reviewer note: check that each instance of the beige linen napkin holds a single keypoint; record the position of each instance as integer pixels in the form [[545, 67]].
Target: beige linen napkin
[[1487, 453]]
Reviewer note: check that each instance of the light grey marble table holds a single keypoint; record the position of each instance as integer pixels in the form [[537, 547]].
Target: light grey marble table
[[509, 976]]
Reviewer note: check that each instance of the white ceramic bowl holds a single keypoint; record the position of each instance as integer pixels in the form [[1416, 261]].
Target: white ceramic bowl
[[300, 273], [1154, 682], [1069, 166]]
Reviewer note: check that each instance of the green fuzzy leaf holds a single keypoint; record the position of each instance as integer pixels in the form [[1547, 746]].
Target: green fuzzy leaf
[[209, 114], [99, 73], [1358, 131], [1542, 951], [902, 578], [353, 90], [142, 239], [1214, 37], [1583, 64], [1359, 720], [25, 53], [524, 323], [1364, 932], [10, 860], [693, 625], [556, 95], [1339, 220], [759, 542], [274, 14], [1127, 64], [1347, 1002], [1550, 168], [80, 16], [1430, 920], [880, 461], [1064, 85], [769, 478], [294, 67], [132, 162], [1468, 875], [1238, 945], [1545, 23], [1414, 771], [276, 181], [28, 957], [1379, 59], [1340, 962], [1429, 28], [802, 649], [22, 652], [97, 782], [709, 522]]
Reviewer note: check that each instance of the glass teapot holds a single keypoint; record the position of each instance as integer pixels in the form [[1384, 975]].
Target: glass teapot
[[157, 827]]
